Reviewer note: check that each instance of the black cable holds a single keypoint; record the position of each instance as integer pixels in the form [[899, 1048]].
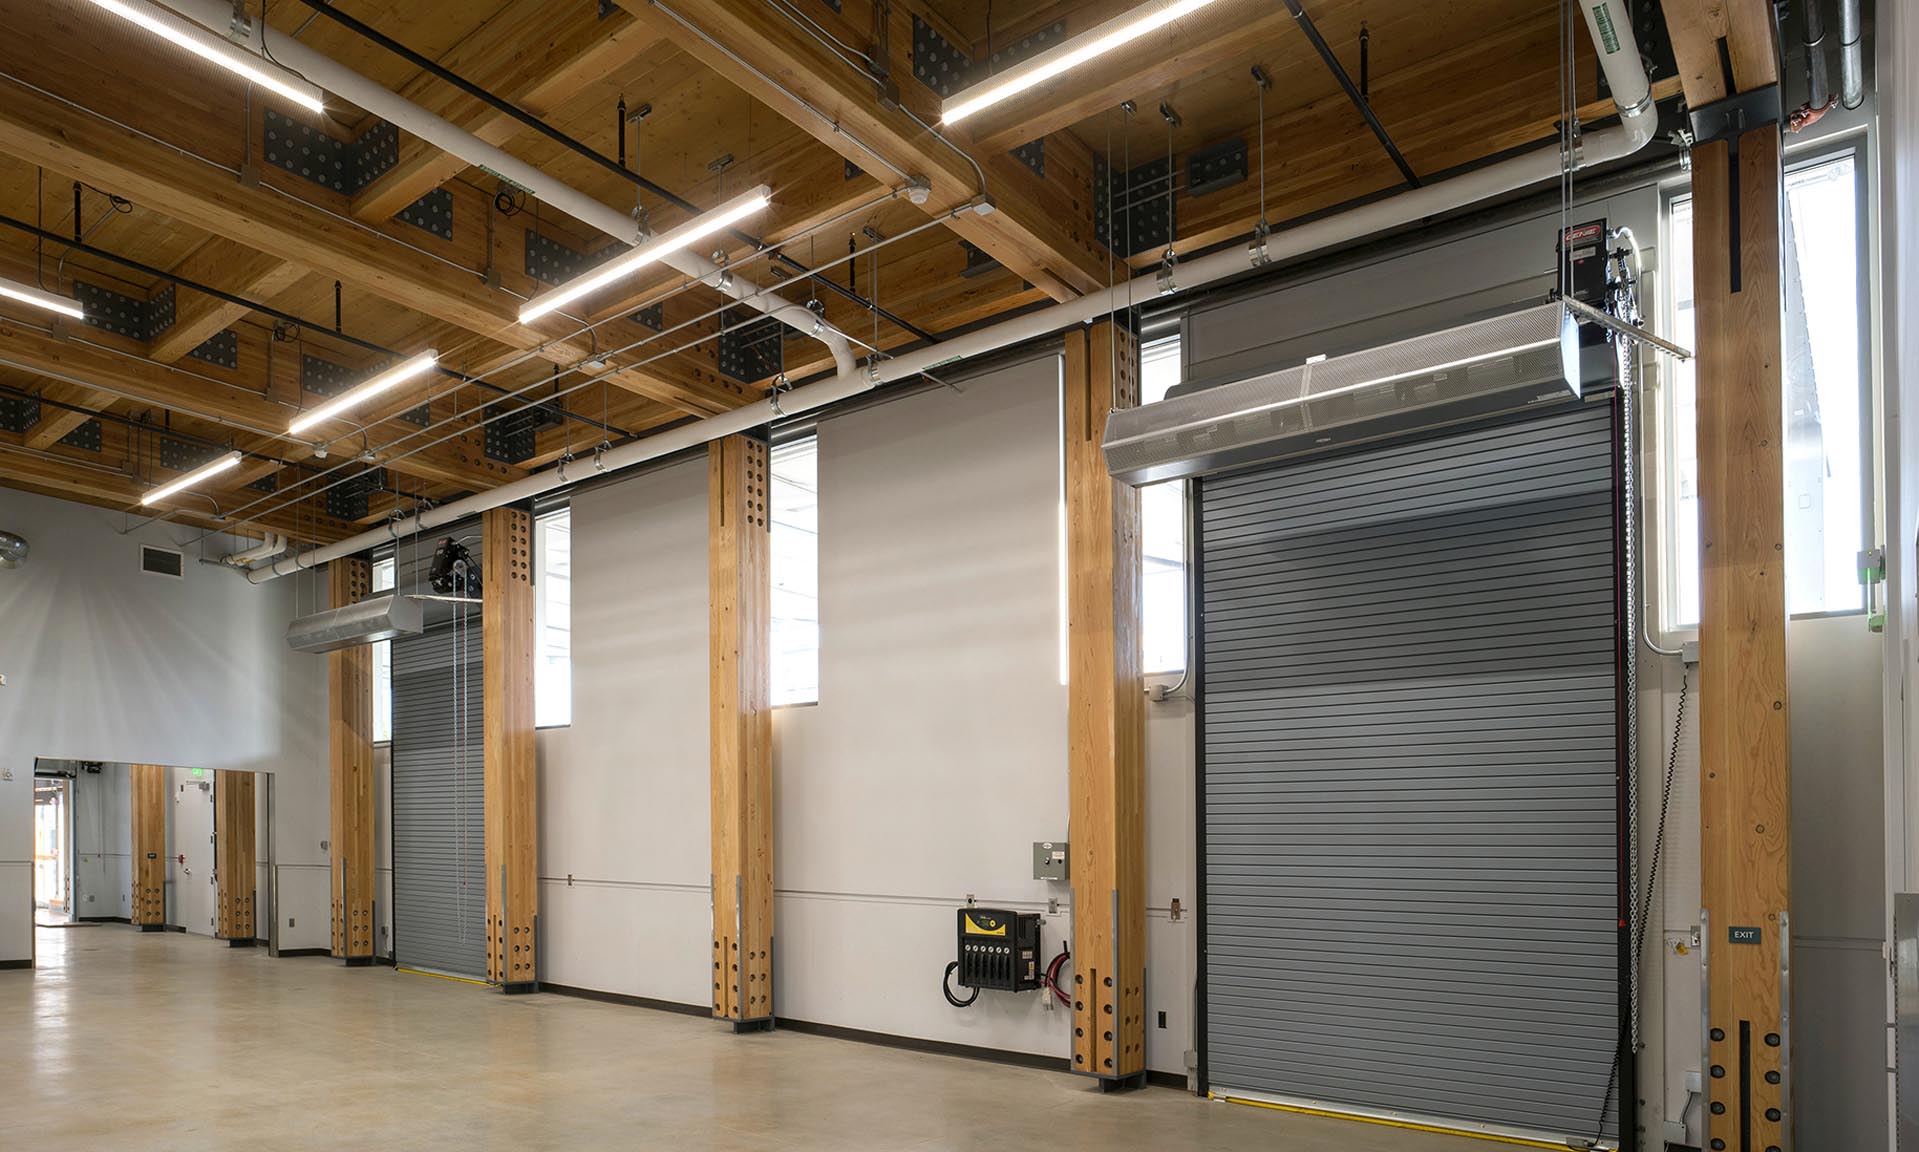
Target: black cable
[[946, 988], [1652, 883]]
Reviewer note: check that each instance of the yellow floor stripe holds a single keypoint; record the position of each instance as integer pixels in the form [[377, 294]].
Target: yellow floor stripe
[[444, 976], [1408, 1124]]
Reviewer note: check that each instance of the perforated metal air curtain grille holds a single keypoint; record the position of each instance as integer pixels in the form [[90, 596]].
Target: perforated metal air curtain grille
[[1410, 793]]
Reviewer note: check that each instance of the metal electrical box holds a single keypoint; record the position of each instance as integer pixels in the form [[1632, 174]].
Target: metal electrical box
[[1049, 860], [998, 949]]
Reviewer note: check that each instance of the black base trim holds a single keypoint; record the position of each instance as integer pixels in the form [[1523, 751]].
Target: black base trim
[[288, 953], [6, 965], [233, 942], [386, 961], [104, 919], [180, 928], [1122, 1083], [358, 961], [153, 927], [629, 1001], [763, 1024], [525, 988]]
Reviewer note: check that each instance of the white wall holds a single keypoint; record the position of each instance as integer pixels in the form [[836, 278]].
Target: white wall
[[104, 662], [935, 757]]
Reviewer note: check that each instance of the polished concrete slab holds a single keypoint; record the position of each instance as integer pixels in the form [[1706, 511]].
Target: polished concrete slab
[[125, 1041]]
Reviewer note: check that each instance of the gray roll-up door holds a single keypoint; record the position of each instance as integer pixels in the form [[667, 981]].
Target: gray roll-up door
[[439, 841], [1410, 787]]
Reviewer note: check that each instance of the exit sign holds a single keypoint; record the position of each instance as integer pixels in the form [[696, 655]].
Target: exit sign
[[1742, 935]]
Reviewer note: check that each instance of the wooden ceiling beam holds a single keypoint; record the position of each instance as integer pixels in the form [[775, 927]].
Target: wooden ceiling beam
[[535, 54], [1746, 28], [41, 130], [56, 422], [128, 375], [1223, 35], [231, 267], [1041, 228]]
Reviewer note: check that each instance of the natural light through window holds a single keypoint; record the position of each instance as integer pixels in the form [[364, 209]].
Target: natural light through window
[[796, 572], [1162, 532], [1827, 434], [383, 662], [553, 619]]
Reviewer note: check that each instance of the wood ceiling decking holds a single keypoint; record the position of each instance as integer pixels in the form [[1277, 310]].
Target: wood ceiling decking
[[85, 98]]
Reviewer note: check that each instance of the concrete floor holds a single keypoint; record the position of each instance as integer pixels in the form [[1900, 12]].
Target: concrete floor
[[128, 1041]]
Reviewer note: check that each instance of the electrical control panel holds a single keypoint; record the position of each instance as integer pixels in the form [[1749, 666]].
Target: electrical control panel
[[1049, 860], [998, 949], [1584, 265]]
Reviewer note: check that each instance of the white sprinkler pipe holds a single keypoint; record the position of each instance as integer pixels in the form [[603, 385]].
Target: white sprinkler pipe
[[1635, 129], [383, 102]]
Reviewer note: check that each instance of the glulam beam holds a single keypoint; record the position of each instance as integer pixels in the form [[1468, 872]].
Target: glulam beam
[[234, 819], [149, 805]]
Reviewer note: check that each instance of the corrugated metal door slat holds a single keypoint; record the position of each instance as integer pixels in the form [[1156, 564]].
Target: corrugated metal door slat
[[439, 829], [1411, 758]]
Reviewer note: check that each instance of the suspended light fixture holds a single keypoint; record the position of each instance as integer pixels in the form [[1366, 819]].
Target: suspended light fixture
[[13, 290], [216, 49], [398, 374], [1115, 33], [182, 483], [649, 252]]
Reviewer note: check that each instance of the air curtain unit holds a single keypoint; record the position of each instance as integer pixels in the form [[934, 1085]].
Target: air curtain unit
[[378, 618], [1518, 360]]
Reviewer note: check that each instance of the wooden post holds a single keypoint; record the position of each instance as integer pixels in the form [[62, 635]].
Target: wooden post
[[739, 547], [350, 739], [149, 802], [233, 830], [512, 780], [1745, 861], [1106, 717]]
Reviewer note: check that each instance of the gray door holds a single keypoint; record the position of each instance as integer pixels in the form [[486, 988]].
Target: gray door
[[439, 843], [1410, 783]]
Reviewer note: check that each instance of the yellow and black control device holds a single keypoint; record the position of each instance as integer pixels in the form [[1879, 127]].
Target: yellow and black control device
[[998, 950]]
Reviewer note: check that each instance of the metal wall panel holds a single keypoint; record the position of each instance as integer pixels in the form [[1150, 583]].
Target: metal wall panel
[[1410, 787], [439, 844]]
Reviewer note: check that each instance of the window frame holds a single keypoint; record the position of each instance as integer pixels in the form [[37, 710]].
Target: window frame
[[787, 441], [1174, 334], [383, 649], [1808, 154], [541, 516]]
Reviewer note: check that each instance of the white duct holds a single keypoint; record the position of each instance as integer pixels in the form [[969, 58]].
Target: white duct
[[1618, 56], [450, 138], [267, 549]]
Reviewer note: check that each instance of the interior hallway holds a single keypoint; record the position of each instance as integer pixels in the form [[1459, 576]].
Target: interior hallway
[[133, 1041]]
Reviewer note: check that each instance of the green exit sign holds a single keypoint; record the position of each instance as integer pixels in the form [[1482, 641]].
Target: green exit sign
[[197, 772], [1742, 935]]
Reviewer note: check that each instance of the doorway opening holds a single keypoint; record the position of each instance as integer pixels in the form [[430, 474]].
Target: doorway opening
[[52, 850]]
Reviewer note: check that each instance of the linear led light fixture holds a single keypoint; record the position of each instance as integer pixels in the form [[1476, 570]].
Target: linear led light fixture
[[1115, 33], [398, 374], [216, 49], [14, 290], [182, 483], [650, 251]]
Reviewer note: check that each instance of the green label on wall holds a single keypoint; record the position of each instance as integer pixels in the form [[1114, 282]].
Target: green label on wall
[[1742, 935]]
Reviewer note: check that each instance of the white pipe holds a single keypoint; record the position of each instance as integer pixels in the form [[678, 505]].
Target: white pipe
[[454, 140], [272, 546], [1634, 130]]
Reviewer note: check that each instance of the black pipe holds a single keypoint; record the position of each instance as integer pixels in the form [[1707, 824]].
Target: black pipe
[[619, 128], [286, 317], [1365, 63], [367, 32], [77, 236], [1353, 93]]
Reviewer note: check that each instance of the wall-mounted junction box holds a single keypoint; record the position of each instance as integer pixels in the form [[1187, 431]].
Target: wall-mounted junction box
[[1049, 860]]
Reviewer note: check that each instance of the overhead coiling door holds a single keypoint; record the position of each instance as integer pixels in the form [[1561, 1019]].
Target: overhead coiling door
[[439, 843], [1410, 779]]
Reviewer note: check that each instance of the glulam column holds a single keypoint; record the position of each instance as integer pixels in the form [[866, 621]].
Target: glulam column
[[149, 804], [1106, 717], [233, 856], [740, 630], [1745, 853], [511, 771], [350, 752]]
